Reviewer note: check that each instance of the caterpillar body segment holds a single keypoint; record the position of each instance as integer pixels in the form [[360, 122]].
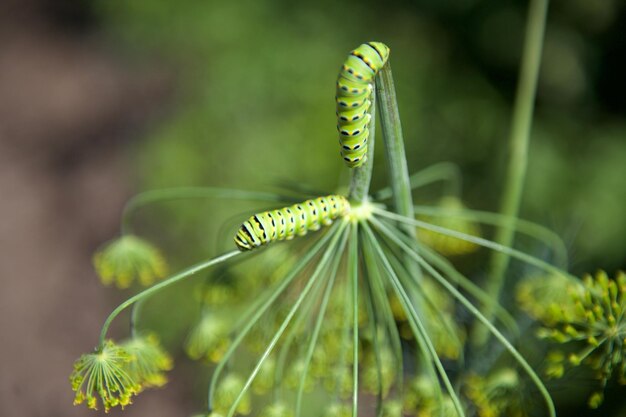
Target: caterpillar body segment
[[287, 222], [353, 98]]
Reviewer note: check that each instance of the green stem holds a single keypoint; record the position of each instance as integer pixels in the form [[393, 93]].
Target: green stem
[[394, 144], [362, 176], [354, 272], [519, 140], [161, 285]]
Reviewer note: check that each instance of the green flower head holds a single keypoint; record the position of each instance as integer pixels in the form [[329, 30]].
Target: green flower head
[[497, 394], [338, 409], [593, 324], [149, 361], [209, 339], [227, 392], [127, 259], [448, 245], [548, 297], [103, 375], [276, 409]]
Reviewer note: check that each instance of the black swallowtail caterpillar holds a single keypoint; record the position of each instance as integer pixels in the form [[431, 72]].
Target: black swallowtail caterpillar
[[287, 222], [354, 91]]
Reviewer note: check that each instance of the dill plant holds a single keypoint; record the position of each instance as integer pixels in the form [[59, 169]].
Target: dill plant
[[365, 311]]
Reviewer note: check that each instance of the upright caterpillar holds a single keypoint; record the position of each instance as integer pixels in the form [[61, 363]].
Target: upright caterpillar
[[285, 223], [354, 91]]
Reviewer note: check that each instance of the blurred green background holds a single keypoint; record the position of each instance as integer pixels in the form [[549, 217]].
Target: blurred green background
[[255, 85], [104, 99]]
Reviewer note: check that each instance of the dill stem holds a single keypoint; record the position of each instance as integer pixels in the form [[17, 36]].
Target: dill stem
[[362, 176], [519, 138], [394, 145], [157, 287]]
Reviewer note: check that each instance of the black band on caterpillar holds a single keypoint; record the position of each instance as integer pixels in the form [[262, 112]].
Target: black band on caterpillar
[[287, 222]]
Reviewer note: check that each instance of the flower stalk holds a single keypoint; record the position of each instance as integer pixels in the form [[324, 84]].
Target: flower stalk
[[519, 139]]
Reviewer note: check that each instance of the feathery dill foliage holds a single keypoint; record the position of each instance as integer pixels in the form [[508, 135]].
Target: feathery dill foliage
[[587, 321], [364, 311]]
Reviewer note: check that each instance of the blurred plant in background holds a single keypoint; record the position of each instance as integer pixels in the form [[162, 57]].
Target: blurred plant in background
[[466, 118]]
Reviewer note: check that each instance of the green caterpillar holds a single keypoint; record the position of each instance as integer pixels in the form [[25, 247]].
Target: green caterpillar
[[287, 222], [354, 91]]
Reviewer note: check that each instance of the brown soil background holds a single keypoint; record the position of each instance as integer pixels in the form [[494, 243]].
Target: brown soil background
[[67, 109]]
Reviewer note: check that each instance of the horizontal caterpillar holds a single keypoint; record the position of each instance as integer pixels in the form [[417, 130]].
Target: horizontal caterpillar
[[354, 93], [287, 222]]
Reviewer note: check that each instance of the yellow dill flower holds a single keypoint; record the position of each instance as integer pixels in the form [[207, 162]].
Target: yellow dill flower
[[595, 326], [209, 339], [496, 395], [227, 392], [102, 375], [448, 245], [149, 361], [127, 259]]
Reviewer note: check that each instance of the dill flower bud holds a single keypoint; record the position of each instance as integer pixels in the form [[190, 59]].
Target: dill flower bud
[[265, 378], [448, 245], [392, 408], [496, 395], [339, 380], [276, 409], [294, 374], [596, 330], [128, 258], [102, 375], [337, 409], [149, 361], [387, 370], [548, 297], [447, 336], [421, 394], [226, 394], [209, 339]]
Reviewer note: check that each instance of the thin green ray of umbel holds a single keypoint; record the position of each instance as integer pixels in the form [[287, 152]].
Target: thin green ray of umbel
[[421, 343], [258, 308], [516, 355], [531, 229], [415, 321], [319, 321], [477, 240], [318, 270]]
